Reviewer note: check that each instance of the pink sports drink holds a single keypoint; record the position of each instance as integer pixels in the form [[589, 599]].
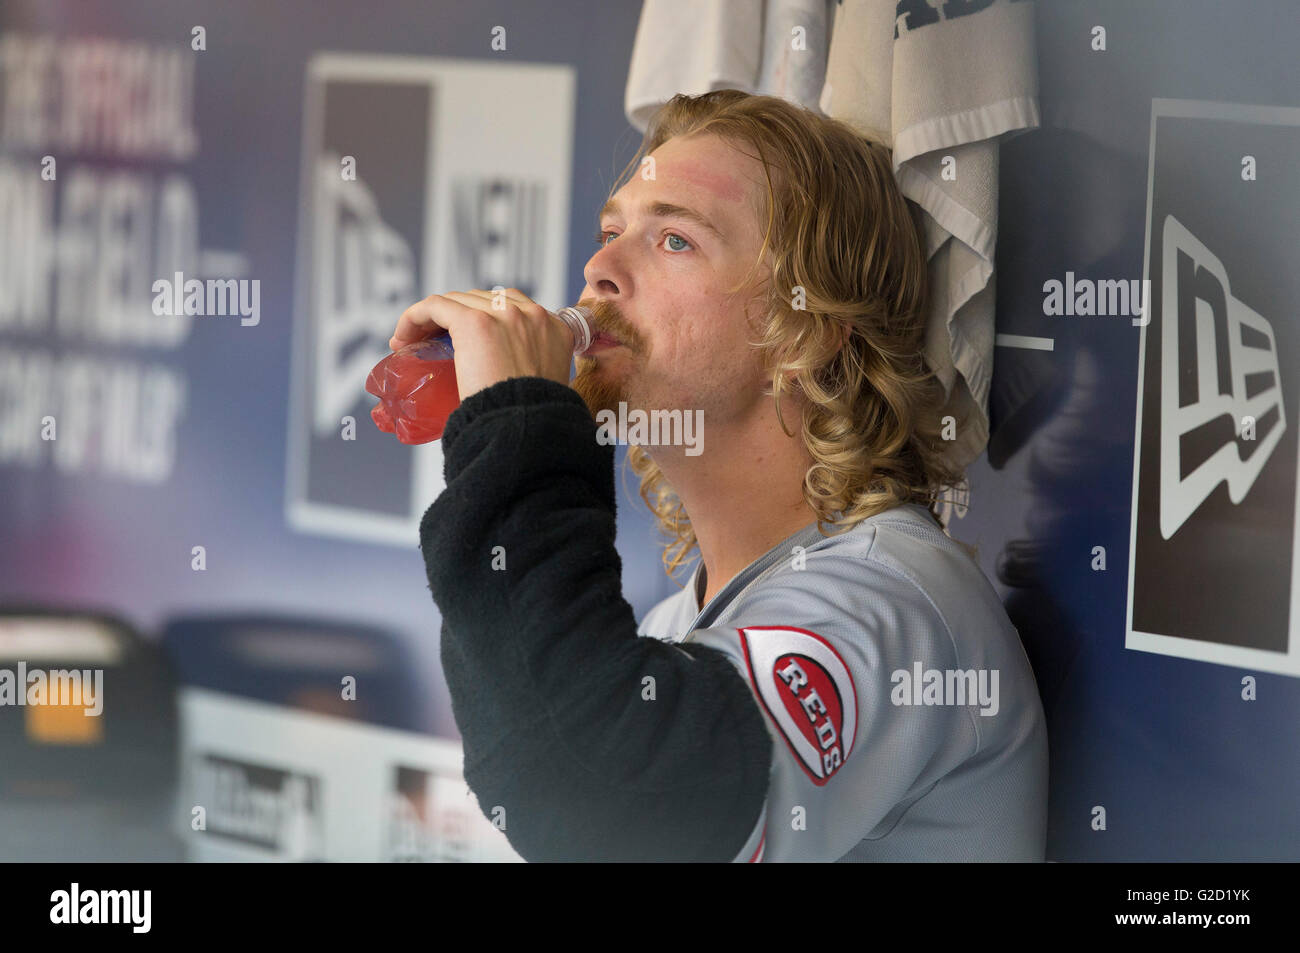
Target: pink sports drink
[[416, 384]]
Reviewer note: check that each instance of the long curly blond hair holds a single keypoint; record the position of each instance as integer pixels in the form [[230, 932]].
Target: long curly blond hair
[[844, 244]]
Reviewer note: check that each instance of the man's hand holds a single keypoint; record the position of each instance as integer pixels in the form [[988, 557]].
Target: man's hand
[[496, 336]]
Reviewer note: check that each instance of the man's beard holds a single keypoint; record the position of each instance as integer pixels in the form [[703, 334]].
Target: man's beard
[[596, 381], [597, 387]]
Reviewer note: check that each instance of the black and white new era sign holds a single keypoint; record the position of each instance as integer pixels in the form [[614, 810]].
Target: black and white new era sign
[[414, 182], [1213, 570]]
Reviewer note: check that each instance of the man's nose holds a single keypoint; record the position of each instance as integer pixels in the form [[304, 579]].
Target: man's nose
[[605, 275]]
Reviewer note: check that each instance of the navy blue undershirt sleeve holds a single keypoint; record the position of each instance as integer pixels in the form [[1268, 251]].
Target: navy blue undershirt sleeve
[[548, 678]]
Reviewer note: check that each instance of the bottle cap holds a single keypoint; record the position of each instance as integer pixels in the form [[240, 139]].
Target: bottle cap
[[578, 320]]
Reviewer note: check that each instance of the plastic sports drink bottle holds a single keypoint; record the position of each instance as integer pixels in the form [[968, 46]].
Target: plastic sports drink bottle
[[416, 384]]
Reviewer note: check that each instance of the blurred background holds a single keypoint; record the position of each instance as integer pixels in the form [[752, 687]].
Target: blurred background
[[206, 529]]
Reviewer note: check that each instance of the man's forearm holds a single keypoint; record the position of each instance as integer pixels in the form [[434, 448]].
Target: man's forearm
[[548, 678]]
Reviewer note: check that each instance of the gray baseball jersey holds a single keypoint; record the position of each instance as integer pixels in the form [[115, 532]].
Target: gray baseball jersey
[[905, 718]]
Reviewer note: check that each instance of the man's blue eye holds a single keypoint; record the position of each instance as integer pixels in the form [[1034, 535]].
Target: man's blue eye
[[680, 239], [601, 238]]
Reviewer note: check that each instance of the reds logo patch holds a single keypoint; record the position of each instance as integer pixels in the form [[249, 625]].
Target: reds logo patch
[[807, 691]]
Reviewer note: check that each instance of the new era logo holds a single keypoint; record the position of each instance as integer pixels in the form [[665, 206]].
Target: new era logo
[[1219, 377], [1213, 536]]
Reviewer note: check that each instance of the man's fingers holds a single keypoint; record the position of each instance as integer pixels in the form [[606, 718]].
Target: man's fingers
[[478, 300], [493, 299], [415, 324], [436, 312], [426, 318]]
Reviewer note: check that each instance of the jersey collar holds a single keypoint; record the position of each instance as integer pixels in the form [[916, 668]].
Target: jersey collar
[[767, 563]]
